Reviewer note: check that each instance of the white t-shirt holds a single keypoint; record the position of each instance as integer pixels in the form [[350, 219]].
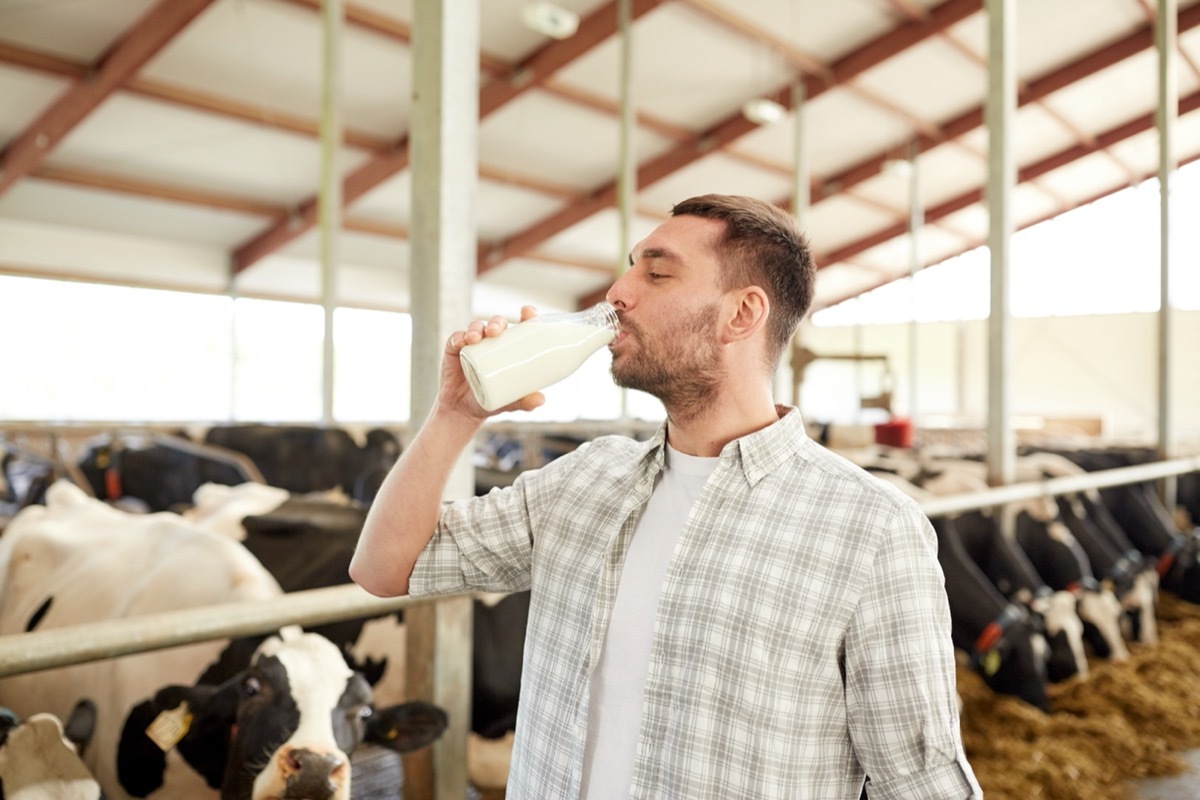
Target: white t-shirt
[[618, 679]]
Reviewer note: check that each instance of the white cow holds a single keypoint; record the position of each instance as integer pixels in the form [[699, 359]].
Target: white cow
[[77, 560], [38, 762]]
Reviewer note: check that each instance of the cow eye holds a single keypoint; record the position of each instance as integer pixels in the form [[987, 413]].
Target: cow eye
[[251, 686]]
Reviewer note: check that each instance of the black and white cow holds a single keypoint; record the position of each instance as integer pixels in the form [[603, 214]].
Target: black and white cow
[[305, 458], [40, 761], [1051, 549], [999, 638], [1146, 521], [306, 542], [156, 471], [272, 719]]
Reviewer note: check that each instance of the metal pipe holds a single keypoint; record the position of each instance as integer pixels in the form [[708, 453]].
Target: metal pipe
[[626, 157], [1054, 486], [916, 221], [1166, 41], [76, 644], [329, 197], [999, 114]]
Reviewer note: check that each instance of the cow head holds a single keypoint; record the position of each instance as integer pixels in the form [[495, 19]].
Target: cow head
[[37, 759], [1004, 656], [282, 728]]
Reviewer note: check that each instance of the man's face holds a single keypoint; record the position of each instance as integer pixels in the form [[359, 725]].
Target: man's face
[[670, 305]]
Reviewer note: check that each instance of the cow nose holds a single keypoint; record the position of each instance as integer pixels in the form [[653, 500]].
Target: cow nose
[[312, 775]]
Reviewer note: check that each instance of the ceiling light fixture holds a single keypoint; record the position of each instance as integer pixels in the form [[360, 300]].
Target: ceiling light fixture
[[762, 111], [899, 167], [550, 20]]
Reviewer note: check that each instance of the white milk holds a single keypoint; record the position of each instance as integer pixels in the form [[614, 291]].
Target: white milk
[[528, 357]]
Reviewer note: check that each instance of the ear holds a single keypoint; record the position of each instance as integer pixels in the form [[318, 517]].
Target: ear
[[748, 309], [406, 727], [199, 720], [81, 724]]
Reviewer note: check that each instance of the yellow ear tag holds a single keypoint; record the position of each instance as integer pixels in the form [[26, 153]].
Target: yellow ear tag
[[991, 662], [170, 726]]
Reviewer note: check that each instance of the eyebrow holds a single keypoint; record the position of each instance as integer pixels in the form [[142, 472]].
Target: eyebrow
[[656, 253]]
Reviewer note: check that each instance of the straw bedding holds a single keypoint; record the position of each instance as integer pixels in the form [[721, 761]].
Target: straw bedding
[[1123, 721]]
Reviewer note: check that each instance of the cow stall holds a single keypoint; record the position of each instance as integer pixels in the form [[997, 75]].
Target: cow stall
[[209, 623]]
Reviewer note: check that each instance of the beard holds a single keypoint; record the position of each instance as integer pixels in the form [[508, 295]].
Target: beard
[[682, 370]]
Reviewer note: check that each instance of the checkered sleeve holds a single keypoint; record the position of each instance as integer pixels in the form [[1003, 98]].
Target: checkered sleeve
[[900, 679]]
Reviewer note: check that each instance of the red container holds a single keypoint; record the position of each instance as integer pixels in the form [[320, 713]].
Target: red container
[[896, 432]]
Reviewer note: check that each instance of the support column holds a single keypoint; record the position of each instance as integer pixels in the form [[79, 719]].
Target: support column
[[916, 221], [1166, 41], [443, 135], [999, 111], [785, 378], [627, 155], [329, 195]]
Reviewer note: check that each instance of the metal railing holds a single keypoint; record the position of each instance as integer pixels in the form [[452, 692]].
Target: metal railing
[[39, 650]]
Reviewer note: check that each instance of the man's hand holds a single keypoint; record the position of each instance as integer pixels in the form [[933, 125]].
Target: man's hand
[[454, 393]]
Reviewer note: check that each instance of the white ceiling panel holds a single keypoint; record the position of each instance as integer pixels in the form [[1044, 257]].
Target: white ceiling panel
[[562, 143], [38, 200], [704, 74], [74, 29], [716, 173], [843, 126], [268, 55], [26, 95], [933, 81], [147, 139]]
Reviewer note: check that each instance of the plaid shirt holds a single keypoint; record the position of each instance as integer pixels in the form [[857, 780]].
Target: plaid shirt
[[803, 633]]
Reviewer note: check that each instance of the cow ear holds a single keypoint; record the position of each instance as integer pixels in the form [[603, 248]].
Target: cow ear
[[406, 727], [193, 720], [81, 724]]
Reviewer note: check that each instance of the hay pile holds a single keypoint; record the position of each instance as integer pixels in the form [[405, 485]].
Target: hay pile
[[1123, 721]]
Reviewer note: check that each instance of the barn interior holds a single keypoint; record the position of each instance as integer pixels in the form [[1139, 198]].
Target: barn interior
[[196, 194]]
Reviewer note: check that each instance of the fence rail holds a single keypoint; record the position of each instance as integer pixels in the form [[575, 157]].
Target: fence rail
[[40, 650]]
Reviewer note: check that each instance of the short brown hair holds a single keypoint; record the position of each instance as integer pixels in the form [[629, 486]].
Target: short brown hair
[[762, 246]]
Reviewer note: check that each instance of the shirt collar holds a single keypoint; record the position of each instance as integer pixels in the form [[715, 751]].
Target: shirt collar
[[763, 451], [758, 454]]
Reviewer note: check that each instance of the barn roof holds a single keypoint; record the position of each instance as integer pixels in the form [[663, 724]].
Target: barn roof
[[174, 143]]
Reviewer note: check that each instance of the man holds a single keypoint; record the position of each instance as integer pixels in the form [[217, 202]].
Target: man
[[725, 611]]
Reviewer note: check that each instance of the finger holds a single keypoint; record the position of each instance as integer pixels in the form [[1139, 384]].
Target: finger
[[530, 401], [528, 312], [456, 341], [496, 325], [474, 332]]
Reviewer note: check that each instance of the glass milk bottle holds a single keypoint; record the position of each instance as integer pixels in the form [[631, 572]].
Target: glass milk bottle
[[533, 354]]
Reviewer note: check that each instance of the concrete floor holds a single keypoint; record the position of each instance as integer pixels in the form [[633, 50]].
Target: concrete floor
[[1175, 787]]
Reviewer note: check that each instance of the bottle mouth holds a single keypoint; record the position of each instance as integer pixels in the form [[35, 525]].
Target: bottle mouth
[[609, 316]]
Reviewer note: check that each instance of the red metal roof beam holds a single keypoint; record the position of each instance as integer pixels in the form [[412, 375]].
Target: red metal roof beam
[[1027, 173], [533, 71], [729, 129], [122, 61]]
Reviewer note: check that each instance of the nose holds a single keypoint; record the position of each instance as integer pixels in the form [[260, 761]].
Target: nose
[[618, 294], [312, 774]]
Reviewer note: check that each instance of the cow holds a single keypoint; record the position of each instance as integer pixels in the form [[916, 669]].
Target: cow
[[996, 635], [1113, 558], [1146, 521], [1187, 500], [39, 762], [306, 542], [24, 477], [249, 718], [305, 458], [157, 472], [1050, 548]]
